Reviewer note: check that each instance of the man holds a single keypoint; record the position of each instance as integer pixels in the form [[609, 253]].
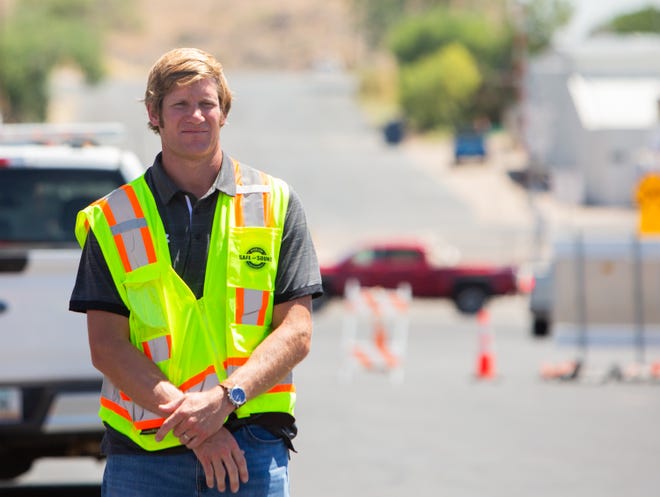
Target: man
[[197, 280]]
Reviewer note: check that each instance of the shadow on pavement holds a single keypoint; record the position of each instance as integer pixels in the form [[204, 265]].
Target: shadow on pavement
[[88, 490]]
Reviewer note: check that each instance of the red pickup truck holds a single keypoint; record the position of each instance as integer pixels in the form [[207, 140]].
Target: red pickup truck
[[389, 264]]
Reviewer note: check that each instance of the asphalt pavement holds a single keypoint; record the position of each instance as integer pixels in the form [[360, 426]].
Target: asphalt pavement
[[445, 430]]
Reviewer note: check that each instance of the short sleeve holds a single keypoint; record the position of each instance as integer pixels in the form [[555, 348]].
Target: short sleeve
[[298, 272], [94, 288]]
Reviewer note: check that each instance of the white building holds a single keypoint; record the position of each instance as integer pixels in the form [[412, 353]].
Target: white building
[[591, 117]]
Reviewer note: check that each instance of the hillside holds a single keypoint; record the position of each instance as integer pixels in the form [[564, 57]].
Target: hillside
[[291, 34]]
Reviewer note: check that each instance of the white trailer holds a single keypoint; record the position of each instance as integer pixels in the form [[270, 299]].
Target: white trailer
[[606, 292]]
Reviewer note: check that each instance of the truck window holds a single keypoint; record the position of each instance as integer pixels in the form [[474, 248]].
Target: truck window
[[403, 257], [40, 205], [363, 258]]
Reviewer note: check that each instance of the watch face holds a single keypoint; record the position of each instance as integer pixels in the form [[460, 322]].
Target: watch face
[[237, 396]]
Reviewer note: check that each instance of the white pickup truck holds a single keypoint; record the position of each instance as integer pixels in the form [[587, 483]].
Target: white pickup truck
[[48, 388]]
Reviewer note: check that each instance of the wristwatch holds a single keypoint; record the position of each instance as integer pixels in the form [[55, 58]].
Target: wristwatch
[[236, 396]]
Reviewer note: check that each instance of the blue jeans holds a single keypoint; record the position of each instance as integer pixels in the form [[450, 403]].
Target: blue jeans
[[181, 475]]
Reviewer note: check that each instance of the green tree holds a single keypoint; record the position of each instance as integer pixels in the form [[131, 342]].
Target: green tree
[[495, 39], [376, 18], [542, 18], [437, 89], [417, 36], [37, 36], [646, 20], [489, 44]]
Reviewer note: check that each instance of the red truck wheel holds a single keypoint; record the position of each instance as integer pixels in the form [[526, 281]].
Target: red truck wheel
[[470, 299]]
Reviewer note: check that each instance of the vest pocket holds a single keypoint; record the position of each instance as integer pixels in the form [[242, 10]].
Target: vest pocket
[[155, 301], [253, 254], [244, 339]]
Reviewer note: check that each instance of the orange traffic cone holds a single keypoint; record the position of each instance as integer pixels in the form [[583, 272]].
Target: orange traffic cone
[[486, 356]]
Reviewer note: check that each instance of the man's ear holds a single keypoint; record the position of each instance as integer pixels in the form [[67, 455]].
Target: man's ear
[[154, 118], [223, 119]]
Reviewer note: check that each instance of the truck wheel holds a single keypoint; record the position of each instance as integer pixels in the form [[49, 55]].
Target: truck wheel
[[13, 466], [470, 299], [540, 327]]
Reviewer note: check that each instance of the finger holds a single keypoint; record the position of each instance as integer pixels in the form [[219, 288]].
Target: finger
[[232, 473], [241, 464], [171, 406], [169, 424], [194, 441], [208, 471], [220, 475], [185, 439]]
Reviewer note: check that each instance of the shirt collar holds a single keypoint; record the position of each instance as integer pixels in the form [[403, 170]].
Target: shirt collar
[[166, 188]]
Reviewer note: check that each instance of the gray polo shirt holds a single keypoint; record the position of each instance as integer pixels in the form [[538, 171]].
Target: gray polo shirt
[[188, 223]]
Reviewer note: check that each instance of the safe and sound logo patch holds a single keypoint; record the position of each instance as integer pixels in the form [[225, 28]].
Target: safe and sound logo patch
[[256, 258]]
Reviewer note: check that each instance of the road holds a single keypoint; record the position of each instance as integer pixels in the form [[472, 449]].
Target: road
[[442, 431]]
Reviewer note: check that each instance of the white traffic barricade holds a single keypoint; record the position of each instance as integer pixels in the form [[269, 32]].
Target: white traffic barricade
[[375, 330]]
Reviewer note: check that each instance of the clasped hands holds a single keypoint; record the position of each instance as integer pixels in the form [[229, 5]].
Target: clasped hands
[[196, 419]]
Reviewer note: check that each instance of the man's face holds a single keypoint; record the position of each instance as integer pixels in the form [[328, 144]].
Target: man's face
[[190, 120]]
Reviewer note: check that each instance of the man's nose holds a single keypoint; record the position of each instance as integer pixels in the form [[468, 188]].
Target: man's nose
[[197, 112]]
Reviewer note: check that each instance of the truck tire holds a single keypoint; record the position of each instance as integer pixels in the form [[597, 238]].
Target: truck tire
[[540, 327], [12, 466], [469, 299]]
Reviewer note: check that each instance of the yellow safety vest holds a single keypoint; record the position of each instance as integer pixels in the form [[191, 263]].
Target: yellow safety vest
[[195, 343]]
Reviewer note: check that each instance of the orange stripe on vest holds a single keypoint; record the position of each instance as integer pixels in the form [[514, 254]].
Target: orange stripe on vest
[[198, 378]]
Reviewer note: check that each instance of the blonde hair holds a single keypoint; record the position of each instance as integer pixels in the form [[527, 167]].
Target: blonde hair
[[180, 67]]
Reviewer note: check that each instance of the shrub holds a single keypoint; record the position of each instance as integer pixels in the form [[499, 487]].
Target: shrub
[[438, 89]]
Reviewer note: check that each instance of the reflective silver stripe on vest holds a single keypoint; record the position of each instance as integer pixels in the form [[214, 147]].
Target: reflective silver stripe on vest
[[253, 191], [128, 226], [157, 349], [253, 302], [243, 189], [209, 381], [138, 414], [135, 412]]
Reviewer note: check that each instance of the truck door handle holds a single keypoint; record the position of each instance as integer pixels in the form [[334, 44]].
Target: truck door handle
[[3, 306]]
